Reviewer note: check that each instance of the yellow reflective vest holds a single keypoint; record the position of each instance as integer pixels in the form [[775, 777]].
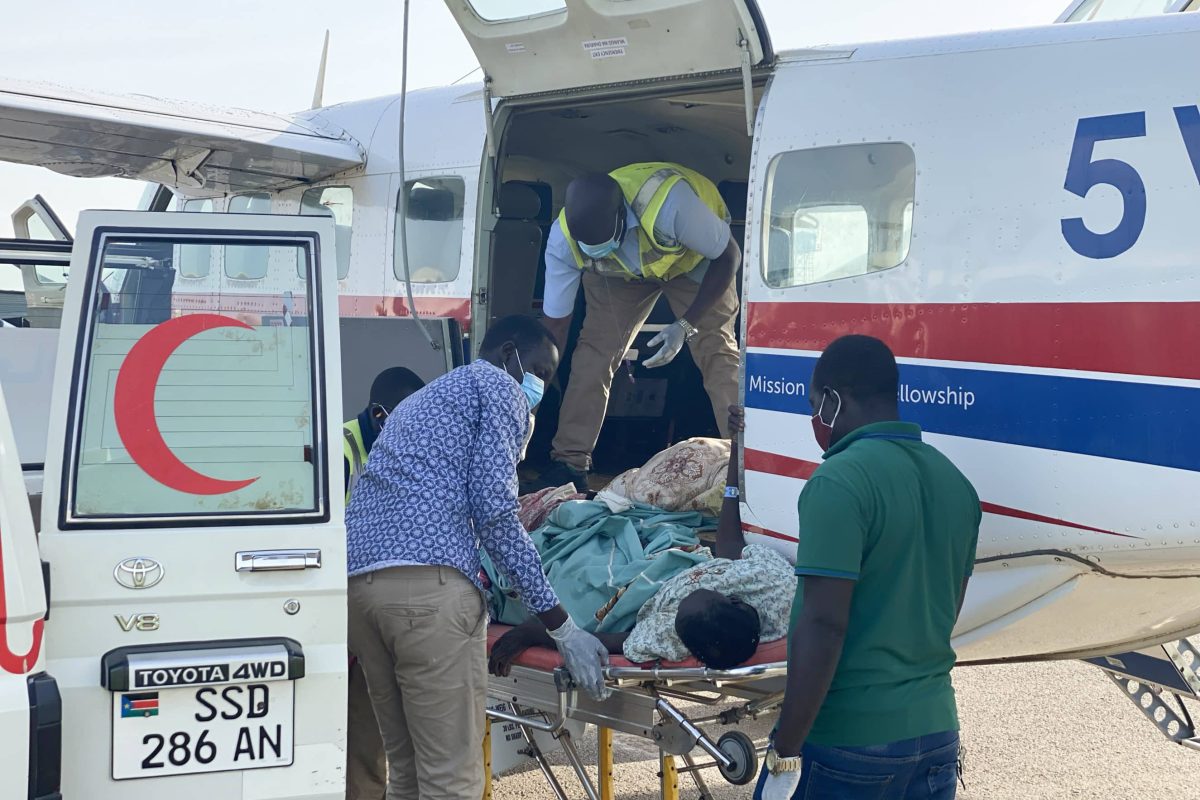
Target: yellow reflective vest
[[646, 187], [355, 452]]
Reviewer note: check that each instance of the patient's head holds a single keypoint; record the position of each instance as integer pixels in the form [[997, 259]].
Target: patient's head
[[721, 631]]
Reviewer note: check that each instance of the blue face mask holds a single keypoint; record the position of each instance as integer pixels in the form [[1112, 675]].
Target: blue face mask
[[598, 251], [533, 386]]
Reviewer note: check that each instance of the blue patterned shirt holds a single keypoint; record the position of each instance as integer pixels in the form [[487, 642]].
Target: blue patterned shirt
[[441, 482]]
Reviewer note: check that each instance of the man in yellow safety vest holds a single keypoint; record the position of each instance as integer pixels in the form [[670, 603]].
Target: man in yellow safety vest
[[366, 765], [642, 231]]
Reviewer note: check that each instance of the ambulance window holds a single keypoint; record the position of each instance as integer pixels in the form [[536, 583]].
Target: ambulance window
[[336, 202], [434, 230], [194, 260], [1119, 9], [248, 263], [191, 406], [503, 10], [838, 212]]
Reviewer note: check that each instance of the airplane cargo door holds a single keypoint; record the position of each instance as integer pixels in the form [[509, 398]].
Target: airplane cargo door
[[196, 547], [533, 46]]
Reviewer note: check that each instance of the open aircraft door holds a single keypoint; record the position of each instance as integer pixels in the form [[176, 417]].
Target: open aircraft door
[[538, 46], [195, 529]]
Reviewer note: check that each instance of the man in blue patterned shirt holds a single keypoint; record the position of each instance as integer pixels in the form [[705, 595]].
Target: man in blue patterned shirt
[[441, 482]]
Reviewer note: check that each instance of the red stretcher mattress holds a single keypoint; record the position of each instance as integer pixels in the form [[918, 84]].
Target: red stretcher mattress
[[543, 658]]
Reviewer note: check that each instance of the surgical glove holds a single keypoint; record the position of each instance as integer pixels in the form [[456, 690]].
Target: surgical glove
[[585, 657], [781, 786], [672, 339]]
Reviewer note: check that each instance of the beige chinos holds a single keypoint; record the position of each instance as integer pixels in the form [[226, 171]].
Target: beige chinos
[[616, 309], [421, 636]]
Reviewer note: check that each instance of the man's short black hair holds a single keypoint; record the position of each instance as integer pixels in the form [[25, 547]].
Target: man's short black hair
[[861, 366], [393, 385], [522, 330], [591, 206], [722, 634]]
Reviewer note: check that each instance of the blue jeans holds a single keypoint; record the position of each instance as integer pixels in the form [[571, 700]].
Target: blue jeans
[[925, 768]]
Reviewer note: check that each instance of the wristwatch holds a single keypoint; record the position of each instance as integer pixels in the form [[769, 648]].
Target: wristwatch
[[689, 330], [777, 765]]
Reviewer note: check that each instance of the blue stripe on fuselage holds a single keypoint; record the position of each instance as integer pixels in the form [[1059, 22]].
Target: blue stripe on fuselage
[[1146, 423]]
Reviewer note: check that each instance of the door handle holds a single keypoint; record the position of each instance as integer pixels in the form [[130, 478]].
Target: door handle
[[276, 560]]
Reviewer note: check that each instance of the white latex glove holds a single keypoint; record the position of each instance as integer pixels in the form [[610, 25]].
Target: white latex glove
[[781, 786], [585, 657], [672, 339]]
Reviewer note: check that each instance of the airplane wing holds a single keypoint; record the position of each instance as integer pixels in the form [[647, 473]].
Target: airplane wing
[[196, 149]]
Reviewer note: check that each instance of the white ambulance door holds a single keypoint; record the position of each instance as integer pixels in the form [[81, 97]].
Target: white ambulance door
[[29, 707], [195, 535], [44, 286], [534, 46]]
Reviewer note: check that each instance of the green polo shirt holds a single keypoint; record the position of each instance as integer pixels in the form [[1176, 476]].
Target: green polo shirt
[[894, 515]]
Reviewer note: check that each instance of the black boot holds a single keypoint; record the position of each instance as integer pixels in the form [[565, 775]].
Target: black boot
[[557, 474]]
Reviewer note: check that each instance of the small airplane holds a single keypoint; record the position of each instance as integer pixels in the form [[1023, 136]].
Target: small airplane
[[1008, 210]]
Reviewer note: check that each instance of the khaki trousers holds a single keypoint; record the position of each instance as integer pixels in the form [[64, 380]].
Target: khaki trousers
[[616, 309], [366, 764], [420, 634]]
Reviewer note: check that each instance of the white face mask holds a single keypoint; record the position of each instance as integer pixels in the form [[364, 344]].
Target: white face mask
[[528, 437]]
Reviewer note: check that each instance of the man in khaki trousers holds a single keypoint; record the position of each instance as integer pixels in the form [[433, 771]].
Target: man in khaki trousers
[[441, 483], [640, 232]]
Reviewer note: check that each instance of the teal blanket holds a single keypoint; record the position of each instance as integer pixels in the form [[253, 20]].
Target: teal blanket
[[605, 566]]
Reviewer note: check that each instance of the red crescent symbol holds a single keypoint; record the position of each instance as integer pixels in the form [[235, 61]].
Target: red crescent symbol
[[133, 404], [12, 662]]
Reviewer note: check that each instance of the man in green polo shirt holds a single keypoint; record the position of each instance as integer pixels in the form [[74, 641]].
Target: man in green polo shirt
[[888, 527]]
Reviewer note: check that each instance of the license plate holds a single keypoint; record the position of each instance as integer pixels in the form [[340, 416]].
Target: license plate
[[202, 729]]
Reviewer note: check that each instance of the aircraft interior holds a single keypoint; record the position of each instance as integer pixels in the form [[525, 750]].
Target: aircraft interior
[[540, 151]]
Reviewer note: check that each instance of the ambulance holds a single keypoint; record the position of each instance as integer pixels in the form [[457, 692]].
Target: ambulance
[[1009, 211]]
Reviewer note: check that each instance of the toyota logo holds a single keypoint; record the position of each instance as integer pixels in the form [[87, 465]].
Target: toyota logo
[[138, 573]]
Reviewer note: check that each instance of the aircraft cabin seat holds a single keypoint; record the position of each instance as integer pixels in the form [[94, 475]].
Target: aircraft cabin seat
[[516, 251]]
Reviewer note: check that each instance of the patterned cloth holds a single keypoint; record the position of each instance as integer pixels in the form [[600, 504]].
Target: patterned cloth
[[762, 578], [688, 476], [536, 507], [441, 481]]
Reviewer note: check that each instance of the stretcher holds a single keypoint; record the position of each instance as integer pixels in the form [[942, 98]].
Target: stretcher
[[539, 696]]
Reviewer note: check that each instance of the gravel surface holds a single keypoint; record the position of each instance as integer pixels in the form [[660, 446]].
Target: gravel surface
[[1033, 731]]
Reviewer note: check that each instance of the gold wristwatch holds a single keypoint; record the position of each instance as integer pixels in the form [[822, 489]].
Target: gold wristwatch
[[777, 765]]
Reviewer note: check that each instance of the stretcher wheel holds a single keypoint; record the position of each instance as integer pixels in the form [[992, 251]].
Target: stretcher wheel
[[741, 751]]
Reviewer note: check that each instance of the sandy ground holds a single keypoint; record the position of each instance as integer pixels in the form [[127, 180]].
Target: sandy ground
[[1058, 730]]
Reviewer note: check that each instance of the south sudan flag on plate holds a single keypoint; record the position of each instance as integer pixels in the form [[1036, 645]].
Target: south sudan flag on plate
[[139, 705]]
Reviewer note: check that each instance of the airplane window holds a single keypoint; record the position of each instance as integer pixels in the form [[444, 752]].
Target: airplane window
[[195, 260], [504, 10], [434, 230], [1119, 9], [838, 212], [248, 263], [336, 202]]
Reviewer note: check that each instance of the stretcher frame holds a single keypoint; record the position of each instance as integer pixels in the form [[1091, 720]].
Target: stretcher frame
[[541, 699]]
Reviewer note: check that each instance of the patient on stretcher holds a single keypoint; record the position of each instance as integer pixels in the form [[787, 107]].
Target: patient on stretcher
[[718, 611]]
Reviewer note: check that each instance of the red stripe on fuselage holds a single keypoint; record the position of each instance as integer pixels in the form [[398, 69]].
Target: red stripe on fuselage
[[250, 308], [1155, 339], [785, 466]]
